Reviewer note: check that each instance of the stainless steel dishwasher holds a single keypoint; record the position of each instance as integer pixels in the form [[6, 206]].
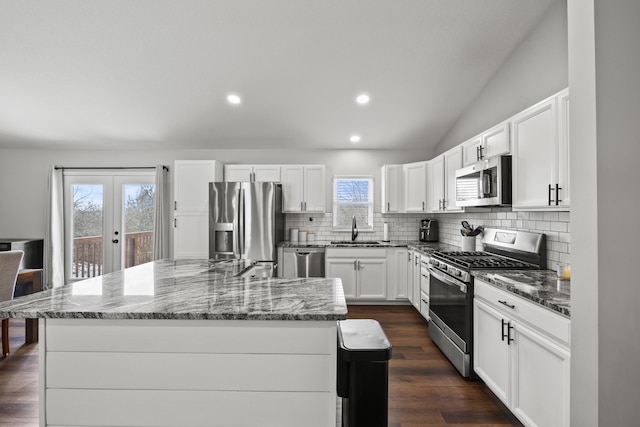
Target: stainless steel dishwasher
[[303, 262]]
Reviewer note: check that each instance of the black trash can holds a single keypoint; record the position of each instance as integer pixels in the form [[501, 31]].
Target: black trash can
[[363, 373]]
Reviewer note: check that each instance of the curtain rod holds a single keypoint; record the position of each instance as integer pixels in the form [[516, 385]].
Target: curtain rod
[[110, 167]]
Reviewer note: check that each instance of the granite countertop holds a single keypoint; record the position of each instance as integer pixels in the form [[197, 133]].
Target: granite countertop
[[540, 286], [426, 247], [186, 289]]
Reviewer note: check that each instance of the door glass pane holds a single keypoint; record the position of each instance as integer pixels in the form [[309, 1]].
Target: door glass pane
[[139, 205], [88, 213]]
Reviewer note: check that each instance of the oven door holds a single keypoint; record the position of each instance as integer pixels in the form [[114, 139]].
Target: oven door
[[450, 308]]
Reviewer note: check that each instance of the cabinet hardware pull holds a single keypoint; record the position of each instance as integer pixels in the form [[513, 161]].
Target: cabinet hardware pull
[[175, 222], [509, 328], [409, 253], [175, 205], [550, 190], [507, 304], [503, 325], [422, 205], [481, 155], [478, 152], [388, 206], [444, 204], [557, 197]]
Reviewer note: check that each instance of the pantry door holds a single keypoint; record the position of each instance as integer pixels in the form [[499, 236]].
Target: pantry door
[[108, 221]]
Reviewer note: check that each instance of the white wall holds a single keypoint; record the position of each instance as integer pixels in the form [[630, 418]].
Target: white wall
[[535, 70], [23, 173], [584, 216]]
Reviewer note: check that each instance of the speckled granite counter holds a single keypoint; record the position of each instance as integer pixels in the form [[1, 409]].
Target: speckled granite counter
[[186, 289], [426, 247], [541, 286]]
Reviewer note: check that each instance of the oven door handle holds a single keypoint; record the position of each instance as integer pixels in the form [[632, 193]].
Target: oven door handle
[[448, 280]]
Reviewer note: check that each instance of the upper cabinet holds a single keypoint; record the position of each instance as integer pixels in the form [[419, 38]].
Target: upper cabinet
[[415, 186], [442, 181], [191, 206], [491, 143], [391, 189], [303, 188], [540, 150], [252, 173]]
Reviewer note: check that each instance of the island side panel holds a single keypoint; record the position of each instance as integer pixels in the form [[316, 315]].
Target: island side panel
[[188, 372]]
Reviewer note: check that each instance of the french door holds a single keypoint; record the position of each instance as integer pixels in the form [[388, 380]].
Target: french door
[[108, 221]]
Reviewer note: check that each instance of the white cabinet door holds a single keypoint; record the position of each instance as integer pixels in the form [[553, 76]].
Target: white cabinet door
[[415, 178], [237, 173], [192, 178], [491, 143], [442, 181], [292, 188], [541, 380], [314, 188], [436, 184], [391, 186], [453, 162], [397, 273], [564, 192], [372, 278], [410, 276], [191, 235], [344, 268], [303, 188], [266, 173], [491, 359], [495, 141], [534, 155], [416, 281], [471, 150], [252, 173]]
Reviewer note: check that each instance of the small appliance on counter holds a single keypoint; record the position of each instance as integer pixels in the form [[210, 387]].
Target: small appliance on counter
[[428, 230]]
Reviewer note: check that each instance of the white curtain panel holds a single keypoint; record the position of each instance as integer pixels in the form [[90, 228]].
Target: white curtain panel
[[161, 219], [54, 232]]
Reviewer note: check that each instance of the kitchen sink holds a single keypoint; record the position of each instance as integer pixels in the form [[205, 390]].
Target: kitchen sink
[[355, 242]]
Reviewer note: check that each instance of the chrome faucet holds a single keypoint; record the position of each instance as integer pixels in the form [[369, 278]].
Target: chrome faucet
[[354, 229]]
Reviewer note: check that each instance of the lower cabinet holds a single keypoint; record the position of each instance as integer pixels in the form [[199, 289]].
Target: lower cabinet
[[363, 271], [522, 353], [397, 274]]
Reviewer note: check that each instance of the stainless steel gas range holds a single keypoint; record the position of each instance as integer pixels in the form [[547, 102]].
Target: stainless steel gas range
[[451, 287]]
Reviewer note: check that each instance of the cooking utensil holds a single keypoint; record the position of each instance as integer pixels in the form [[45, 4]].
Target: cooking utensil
[[466, 226]]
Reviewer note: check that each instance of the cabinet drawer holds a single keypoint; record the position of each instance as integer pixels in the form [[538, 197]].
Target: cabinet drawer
[[538, 317], [424, 305], [356, 253]]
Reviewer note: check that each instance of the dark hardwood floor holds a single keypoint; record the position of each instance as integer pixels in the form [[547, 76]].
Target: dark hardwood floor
[[424, 389]]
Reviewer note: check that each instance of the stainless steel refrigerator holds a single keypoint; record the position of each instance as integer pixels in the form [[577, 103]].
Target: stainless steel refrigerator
[[245, 220]]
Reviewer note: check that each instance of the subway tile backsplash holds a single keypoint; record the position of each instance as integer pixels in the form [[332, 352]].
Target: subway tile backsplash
[[555, 225]]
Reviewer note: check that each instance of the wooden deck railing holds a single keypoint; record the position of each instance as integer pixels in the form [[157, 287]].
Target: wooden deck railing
[[87, 253]]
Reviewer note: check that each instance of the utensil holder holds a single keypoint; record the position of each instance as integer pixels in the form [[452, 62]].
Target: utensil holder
[[468, 243]]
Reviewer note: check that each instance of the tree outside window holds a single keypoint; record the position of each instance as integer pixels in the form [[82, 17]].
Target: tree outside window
[[352, 196]]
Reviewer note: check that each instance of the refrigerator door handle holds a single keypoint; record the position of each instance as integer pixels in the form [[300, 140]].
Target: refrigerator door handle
[[241, 223]]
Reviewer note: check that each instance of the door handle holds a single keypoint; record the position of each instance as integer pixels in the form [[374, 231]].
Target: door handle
[[507, 304], [115, 241]]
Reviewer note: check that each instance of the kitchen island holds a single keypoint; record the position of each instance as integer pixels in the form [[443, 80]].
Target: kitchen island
[[187, 342]]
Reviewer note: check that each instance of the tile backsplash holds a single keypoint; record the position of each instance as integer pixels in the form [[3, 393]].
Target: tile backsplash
[[555, 225]]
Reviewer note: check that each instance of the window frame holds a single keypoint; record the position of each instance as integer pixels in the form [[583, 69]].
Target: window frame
[[363, 227]]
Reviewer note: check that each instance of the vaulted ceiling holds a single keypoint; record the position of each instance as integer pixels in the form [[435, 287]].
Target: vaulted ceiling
[[156, 73]]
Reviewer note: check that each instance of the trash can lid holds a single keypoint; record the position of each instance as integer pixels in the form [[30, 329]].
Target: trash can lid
[[364, 336]]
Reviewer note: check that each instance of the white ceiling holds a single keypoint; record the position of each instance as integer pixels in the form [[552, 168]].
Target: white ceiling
[[155, 73]]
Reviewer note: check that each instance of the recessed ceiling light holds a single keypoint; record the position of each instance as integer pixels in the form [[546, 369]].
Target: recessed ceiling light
[[363, 99], [233, 99], [354, 138]]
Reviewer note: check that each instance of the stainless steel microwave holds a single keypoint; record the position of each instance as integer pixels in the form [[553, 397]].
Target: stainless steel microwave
[[485, 183]]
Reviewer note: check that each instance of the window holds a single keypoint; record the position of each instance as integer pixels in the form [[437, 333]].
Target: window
[[353, 195]]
